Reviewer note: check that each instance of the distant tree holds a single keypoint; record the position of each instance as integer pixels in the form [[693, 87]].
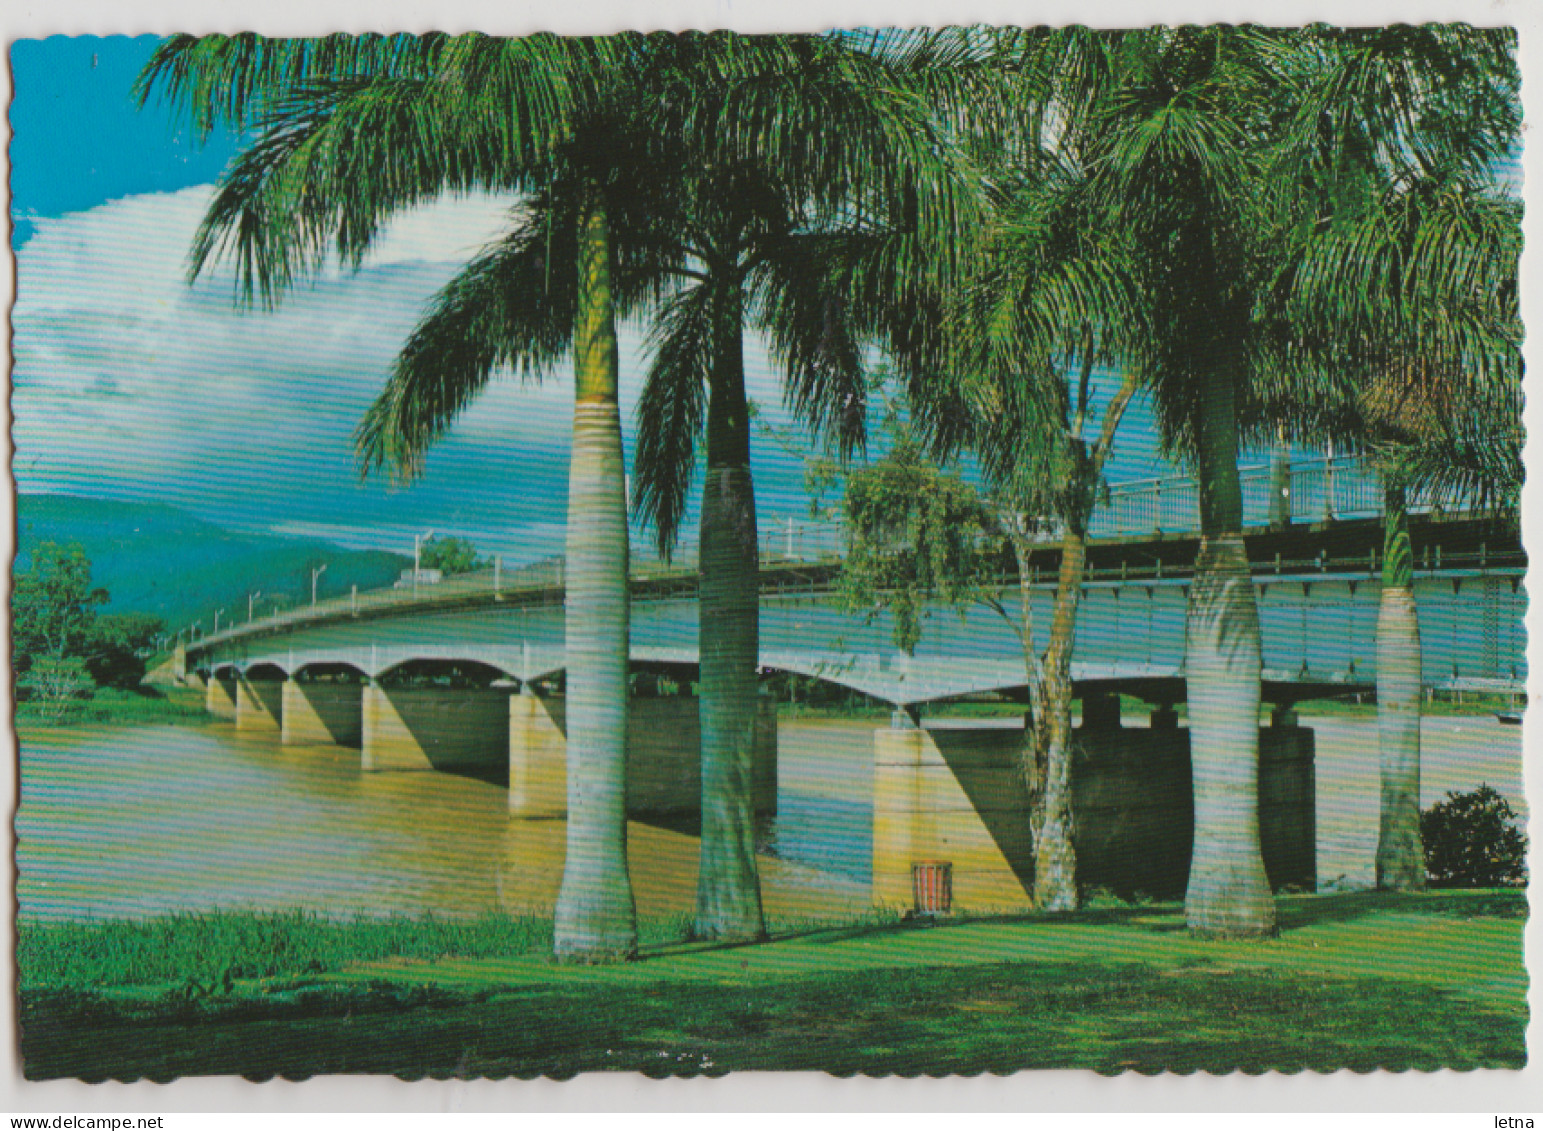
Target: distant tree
[[450, 556], [53, 605], [918, 533], [115, 647]]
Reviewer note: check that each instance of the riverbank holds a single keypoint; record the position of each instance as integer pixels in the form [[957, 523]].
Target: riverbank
[[115, 705], [1361, 981]]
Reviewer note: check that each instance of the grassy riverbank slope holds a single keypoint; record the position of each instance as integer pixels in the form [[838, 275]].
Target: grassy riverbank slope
[[114, 705], [1361, 981]]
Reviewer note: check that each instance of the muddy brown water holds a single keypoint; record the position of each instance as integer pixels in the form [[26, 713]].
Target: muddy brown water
[[136, 820]]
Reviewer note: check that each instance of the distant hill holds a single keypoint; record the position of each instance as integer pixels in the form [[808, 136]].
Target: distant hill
[[157, 559]]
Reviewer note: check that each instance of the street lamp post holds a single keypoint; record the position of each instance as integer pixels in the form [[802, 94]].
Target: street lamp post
[[217, 614], [315, 574], [418, 541], [251, 605]]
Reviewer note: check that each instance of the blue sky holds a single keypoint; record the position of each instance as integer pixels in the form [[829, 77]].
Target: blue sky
[[80, 140], [131, 384]]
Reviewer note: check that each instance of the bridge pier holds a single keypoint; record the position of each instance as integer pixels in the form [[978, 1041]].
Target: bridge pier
[[322, 714], [259, 703], [220, 697], [538, 755], [1100, 710], [956, 794], [664, 757], [433, 728]]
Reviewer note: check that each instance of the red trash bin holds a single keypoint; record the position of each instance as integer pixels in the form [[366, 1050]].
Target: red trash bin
[[932, 886]]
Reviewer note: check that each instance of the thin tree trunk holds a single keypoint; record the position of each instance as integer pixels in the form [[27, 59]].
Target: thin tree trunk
[[1055, 855], [1280, 482], [1055, 860], [728, 886], [1400, 856], [1033, 766], [596, 919], [1229, 893]]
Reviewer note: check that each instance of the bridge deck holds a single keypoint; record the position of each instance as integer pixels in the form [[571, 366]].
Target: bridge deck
[[1318, 612]]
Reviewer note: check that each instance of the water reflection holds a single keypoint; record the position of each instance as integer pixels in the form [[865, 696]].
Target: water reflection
[[127, 821]]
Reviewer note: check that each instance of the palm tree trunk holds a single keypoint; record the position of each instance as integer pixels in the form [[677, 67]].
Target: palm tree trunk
[[1400, 857], [728, 886], [596, 918], [1229, 893], [1055, 860]]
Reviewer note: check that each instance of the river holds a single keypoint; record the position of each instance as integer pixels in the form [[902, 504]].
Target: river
[[135, 820]]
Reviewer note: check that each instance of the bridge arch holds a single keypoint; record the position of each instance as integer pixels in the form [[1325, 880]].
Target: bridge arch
[[330, 671], [445, 672], [267, 671]]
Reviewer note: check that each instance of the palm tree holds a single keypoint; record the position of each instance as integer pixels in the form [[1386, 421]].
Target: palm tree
[[1201, 156], [350, 132], [790, 182], [1399, 326], [1174, 126]]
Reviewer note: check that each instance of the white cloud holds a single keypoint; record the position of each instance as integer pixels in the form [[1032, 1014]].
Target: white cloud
[[130, 383]]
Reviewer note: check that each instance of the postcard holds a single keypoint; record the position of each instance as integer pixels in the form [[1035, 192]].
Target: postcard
[[882, 552]]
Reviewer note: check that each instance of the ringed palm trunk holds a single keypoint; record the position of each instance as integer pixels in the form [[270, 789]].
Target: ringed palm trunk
[[1400, 857], [1055, 859], [596, 918], [1228, 893], [728, 886]]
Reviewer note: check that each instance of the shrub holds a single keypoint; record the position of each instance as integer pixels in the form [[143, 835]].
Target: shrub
[[53, 687], [1471, 841]]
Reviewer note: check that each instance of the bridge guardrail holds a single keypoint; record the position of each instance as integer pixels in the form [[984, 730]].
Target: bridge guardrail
[[1322, 488], [1319, 490]]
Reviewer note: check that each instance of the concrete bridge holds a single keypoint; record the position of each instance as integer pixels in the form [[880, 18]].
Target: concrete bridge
[[1318, 589], [464, 675]]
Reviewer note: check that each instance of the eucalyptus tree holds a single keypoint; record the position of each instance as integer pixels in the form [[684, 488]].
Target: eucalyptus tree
[[1399, 331], [1051, 301], [792, 186], [347, 134], [1048, 299]]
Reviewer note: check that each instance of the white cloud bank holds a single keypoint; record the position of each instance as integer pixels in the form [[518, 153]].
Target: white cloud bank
[[132, 384], [129, 383]]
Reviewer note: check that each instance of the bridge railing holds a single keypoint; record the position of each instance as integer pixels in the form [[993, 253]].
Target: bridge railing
[[1320, 489]]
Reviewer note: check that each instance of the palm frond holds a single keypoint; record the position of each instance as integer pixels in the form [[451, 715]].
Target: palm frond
[[671, 412], [511, 307], [802, 300]]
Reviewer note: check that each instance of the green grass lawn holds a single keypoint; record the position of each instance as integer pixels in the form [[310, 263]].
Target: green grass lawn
[[1357, 981]]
